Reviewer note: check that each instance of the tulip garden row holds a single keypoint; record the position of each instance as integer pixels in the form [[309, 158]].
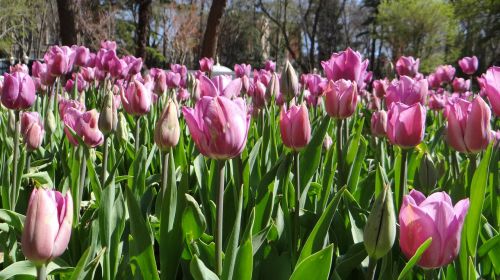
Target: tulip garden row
[[112, 171]]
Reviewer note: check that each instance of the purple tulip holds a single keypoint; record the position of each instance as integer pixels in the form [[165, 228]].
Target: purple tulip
[[18, 91], [59, 60], [172, 79], [182, 95], [82, 55], [436, 101], [378, 124], [407, 66], [136, 100], [347, 65], [341, 98], [47, 228], [134, 64], [406, 124], [218, 126], [295, 127], [491, 87], [468, 128], [243, 69], [468, 65], [433, 81], [160, 80], [380, 87], [436, 217], [206, 64], [220, 85], [315, 84], [259, 95], [407, 90], [270, 66], [108, 45], [81, 83], [461, 85], [32, 130], [445, 73]]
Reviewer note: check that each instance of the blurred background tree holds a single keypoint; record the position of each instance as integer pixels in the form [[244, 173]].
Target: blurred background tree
[[303, 31]]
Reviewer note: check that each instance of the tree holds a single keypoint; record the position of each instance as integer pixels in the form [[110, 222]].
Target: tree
[[67, 22], [142, 27], [209, 46]]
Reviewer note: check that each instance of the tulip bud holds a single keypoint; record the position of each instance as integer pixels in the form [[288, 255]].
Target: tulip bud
[[380, 229], [108, 118], [273, 87], [289, 82], [12, 122], [295, 127], [32, 130], [427, 173], [122, 129], [167, 129], [50, 122]]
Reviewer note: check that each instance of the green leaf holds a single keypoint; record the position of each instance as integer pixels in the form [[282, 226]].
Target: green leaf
[[193, 221], [85, 269], [477, 194], [243, 266], [353, 179], [137, 173], [141, 247], [232, 247], [41, 178], [352, 259], [488, 245], [12, 218], [421, 249], [200, 271], [316, 239], [26, 268], [316, 266]]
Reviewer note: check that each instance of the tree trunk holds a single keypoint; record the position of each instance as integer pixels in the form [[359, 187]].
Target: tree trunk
[[209, 46], [142, 27], [67, 23]]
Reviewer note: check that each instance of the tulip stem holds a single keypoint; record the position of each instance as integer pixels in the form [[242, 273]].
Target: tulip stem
[[83, 171], [339, 153], [372, 267], [41, 272], [403, 187], [472, 168], [15, 190], [105, 161], [220, 216], [164, 177], [297, 205], [137, 133]]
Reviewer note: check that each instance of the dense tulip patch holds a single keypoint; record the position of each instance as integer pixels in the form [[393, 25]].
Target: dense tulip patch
[[109, 170]]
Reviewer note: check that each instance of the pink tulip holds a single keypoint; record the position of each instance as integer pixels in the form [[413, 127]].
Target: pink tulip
[[468, 128], [47, 228], [259, 95], [378, 124], [241, 70], [32, 130], [407, 66], [108, 45], [327, 142], [81, 83], [59, 60], [172, 79], [468, 65], [434, 216], [104, 58], [295, 127], [136, 100], [373, 102], [88, 74], [19, 68], [436, 101], [461, 85], [380, 87], [218, 126], [270, 66], [220, 85], [491, 86], [433, 81], [341, 98], [206, 64], [347, 65], [134, 64], [406, 124], [160, 80], [65, 104], [167, 130], [117, 68], [85, 125], [315, 84], [445, 73], [18, 91], [82, 55], [182, 95], [407, 90]]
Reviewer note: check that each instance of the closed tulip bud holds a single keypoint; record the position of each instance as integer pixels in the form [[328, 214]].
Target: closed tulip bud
[[122, 129], [378, 123], [273, 87], [108, 118], [295, 127], [167, 130], [436, 217], [427, 173], [18, 91], [341, 98], [327, 142], [12, 122], [136, 100], [468, 128], [406, 124], [380, 229], [47, 228], [32, 130], [50, 122], [468, 65], [289, 83], [218, 126]]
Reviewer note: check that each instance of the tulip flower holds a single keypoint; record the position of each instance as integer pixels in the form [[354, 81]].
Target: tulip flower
[[406, 124], [327, 142], [85, 125], [460, 85], [220, 85], [206, 64], [468, 128], [445, 73], [341, 98], [436, 101], [270, 66], [289, 83], [136, 99], [241, 70], [347, 65], [407, 90], [88, 74], [295, 127], [380, 87], [47, 228], [108, 118], [436, 217], [59, 60], [468, 65], [32, 130], [315, 84], [82, 55], [18, 91], [167, 130], [491, 86], [134, 64], [117, 68], [259, 95], [218, 126], [407, 66], [378, 123], [108, 45], [172, 79]]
